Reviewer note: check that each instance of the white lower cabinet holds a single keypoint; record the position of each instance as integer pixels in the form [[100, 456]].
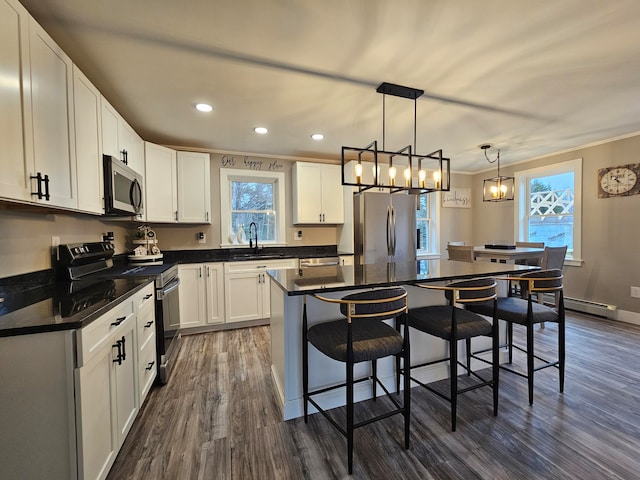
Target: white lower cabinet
[[201, 294], [247, 288], [109, 381]]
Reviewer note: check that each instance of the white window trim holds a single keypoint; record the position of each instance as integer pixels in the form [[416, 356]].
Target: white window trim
[[521, 204], [227, 175], [435, 202]]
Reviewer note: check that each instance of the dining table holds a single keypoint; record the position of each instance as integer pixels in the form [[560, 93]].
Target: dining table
[[507, 254]]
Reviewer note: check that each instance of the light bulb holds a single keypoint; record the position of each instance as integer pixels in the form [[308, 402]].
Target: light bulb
[[436, 179], [375, 171], [422, 175], [358, 172], [392, 175], [407, 177], [494, 191]]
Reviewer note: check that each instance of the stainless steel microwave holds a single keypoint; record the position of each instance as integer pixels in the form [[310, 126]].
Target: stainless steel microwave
[[122, 188]]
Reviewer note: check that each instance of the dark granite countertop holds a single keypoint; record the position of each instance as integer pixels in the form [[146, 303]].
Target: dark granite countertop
[[62, 305], [349, 277], [240, 254]]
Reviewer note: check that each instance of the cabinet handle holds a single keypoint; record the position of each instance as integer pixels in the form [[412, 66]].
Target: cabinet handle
[[149, 366], [119, 358], [208, 272], [148, 296], [200, 272], [118, 321], [46, 187], [125, 160], [124, 352], [39, 180], [207, 216], [148, 324], [176, 215]]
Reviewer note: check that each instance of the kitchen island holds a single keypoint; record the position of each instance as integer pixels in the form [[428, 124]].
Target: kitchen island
[[291, 287]]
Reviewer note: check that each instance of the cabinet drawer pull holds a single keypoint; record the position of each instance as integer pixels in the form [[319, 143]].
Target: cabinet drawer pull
[[148, 296], [118, 321], [149, 366], [148, 324]]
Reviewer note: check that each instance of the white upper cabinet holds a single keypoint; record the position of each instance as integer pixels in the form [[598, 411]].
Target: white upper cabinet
[[86, 102], [14, 55], [194, 187], [160, 183], [119, 139], [133, 145], [317, 194], [52, 120], [36, 113]]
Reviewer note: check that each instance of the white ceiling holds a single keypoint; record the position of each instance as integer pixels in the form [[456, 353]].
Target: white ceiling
[[529, 77]]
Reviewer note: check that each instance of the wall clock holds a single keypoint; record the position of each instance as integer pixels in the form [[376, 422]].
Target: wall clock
[[619, 181]]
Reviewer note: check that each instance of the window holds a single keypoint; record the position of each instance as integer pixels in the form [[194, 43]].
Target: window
[[426, 223], [247, 196], [548, 206]]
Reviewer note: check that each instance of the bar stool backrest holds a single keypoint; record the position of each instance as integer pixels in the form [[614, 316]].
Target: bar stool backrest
[[381, 303], [470, 291]]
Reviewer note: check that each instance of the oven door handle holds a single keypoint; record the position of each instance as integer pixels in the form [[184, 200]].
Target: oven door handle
[[170, 287]]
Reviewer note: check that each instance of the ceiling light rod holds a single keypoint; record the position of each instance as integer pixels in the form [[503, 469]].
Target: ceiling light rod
[[500, 188], [437, 165]]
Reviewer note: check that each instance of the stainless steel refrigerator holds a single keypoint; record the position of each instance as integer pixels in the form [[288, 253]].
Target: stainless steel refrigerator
[[384, 227]]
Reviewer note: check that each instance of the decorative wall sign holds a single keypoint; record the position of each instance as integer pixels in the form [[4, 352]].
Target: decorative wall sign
[[620, 181], [234, 161], [457, 197]]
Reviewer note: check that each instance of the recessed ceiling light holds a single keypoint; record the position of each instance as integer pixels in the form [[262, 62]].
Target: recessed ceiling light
[[317, 136], [203, 107], [261, 130]]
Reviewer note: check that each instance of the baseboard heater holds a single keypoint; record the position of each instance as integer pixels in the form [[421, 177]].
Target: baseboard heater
[[587, 306]]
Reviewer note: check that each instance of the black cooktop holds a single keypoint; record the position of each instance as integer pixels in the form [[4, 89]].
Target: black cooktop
[[137, 270]]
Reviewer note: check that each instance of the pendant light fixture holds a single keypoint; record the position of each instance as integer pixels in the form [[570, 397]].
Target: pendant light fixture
[[499, 188], [401, 170]]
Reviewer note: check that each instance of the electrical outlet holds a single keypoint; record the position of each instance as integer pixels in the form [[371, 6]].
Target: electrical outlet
[[298, 235], [635, 292], [202, 238], [55, 241]]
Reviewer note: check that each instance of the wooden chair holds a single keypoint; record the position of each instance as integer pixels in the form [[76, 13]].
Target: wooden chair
[[531, 262], [360, 336], [452, 324], [530, 244], [461, 253], [527, 312]]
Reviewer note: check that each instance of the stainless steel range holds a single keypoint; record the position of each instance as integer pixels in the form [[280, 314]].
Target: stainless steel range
[[95, 260]]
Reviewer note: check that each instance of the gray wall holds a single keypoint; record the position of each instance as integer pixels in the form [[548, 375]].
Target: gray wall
[[610, 226]]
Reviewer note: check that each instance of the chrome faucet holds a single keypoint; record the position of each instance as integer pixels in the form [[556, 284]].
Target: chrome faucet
[[251, 237]]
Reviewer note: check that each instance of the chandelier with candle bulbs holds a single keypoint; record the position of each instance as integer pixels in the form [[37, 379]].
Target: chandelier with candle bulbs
[[371, 167]]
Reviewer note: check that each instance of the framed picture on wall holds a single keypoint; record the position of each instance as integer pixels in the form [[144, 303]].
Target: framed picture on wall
[[457, 198]]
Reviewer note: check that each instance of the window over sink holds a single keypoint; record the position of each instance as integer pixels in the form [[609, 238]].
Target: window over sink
[[247, 196]]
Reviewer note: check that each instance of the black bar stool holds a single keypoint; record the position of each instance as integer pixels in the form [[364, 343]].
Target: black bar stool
[[452, 323], [527, 312], [361, 336]]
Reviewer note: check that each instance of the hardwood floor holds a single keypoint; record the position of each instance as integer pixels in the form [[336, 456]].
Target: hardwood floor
[[219, 419]]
